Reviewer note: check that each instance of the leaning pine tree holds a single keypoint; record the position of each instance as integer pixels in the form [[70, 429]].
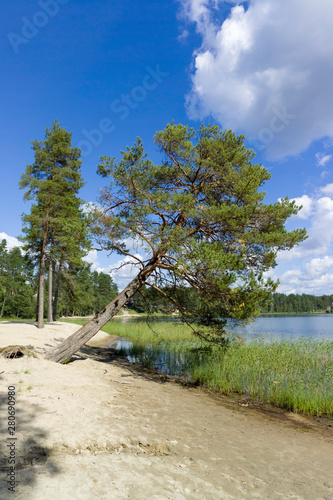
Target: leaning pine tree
[[200, 217]]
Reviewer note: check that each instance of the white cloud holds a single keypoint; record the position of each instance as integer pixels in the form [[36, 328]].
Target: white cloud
[[90, 206], [322, 159], [313, 278], [197, 11], [265, 71], [292, 276], [303, 283], [320, 231], [328, 189], [183, 36], [123, 271], [92, 258], [307, 203], [11, 241], [316, 267], [308, 267]]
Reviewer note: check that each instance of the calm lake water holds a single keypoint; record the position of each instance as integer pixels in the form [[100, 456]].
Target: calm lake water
[[315, 326]]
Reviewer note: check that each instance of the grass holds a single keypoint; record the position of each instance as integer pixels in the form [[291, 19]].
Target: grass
[[293, 374]]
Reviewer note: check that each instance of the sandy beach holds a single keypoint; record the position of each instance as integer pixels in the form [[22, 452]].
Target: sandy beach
[[99, 427]]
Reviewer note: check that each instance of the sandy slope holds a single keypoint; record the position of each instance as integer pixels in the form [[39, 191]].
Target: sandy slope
[[99, 428]]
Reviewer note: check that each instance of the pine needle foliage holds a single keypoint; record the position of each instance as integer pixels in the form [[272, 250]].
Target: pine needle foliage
[[200, 216], [55, 230]]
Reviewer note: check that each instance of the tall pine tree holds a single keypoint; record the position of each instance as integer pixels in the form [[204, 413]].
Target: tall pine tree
[[55, 230]]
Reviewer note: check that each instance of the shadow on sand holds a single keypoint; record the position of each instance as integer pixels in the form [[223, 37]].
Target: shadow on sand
[[24, 453], [109, 355]]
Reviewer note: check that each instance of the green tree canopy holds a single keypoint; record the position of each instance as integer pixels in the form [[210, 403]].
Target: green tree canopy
[[16, 283], [85, 292], [201, 219], [55, 229]]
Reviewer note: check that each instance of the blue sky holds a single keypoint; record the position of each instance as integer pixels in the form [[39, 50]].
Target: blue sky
[[112, 71]]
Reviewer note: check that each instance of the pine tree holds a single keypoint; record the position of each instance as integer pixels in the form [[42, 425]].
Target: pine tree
[[104, 290], [201, 218], [55, 229]]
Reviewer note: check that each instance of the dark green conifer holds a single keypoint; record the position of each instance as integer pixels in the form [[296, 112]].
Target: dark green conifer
[[55, 229]]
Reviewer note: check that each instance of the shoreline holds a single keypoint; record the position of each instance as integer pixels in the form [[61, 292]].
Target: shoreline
[[97, 427]]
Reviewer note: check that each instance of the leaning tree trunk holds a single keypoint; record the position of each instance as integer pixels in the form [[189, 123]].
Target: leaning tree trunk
[[68, 347]]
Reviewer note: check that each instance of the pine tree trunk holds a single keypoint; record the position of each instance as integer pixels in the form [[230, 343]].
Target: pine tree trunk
[[49, 297], [37, 304], [68, 347], [3, 305], [56, 294], [41, 281]]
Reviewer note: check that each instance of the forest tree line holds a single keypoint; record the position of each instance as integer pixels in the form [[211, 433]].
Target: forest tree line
[[295, 303], [150, 301], [82, 292]]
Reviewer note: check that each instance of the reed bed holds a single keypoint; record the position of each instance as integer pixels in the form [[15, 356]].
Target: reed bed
[[293, 374]]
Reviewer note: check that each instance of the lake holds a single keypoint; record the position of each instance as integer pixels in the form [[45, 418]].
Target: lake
[[314, 326]]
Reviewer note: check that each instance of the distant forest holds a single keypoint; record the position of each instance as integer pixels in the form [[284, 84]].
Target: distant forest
[[82, 292], [151, 301], [295, 303]]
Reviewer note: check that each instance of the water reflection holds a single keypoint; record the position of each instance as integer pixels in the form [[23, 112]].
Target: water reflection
[[161, 358], [279, 326], [173, 362]]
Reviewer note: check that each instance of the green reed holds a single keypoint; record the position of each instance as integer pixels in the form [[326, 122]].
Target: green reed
[[293, 374]]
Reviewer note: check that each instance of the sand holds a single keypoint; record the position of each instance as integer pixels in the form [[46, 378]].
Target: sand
[[100, 428]]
